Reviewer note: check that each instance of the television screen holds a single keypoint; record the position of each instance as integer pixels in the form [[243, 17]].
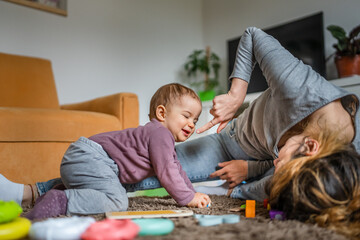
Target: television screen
[[304, 38]]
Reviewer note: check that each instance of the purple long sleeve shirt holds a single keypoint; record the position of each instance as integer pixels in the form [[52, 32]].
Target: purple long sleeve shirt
[[147, 151]]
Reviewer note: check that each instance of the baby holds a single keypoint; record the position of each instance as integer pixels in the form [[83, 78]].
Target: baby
[[94, 170]]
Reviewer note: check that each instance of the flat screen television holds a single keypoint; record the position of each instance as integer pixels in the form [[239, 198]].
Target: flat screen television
[[304, 38]]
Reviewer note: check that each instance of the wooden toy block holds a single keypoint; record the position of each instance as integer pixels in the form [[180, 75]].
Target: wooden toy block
[[238, 209], [250, 208]]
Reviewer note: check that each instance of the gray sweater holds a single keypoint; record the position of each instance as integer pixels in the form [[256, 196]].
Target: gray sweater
[[295, 91]]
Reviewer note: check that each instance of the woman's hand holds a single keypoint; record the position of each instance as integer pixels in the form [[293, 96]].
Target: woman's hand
[[226, 105], [200, 200], [234, 172]]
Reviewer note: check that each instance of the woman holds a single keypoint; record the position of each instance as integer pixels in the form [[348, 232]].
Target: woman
[[288, 120], [303, 124], [309, 128]]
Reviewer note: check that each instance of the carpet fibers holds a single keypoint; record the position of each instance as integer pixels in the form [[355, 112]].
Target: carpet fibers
[[259, 228]]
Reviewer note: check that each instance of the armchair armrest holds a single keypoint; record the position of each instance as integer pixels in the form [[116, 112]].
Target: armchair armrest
[[124, 106]]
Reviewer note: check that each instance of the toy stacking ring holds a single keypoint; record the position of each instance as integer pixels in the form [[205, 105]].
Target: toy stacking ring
[[111, 229], [15, 229], [154, 226], [9, 211], [212, 220], [60, 228]]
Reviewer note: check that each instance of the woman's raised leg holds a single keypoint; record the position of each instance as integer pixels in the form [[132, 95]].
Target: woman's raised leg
[[199, 157]]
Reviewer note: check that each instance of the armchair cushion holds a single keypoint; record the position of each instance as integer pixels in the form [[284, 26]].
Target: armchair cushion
[[124, 106], [42, 125]]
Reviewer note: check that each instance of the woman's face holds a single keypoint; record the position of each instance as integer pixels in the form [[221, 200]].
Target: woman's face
[[295, 145]]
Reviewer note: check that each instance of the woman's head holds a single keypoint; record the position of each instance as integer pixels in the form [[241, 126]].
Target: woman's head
[[323, 188], [297, 145], [311, 137]]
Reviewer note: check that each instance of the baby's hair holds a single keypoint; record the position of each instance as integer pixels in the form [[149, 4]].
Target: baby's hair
[[322, 189], [167, 95]]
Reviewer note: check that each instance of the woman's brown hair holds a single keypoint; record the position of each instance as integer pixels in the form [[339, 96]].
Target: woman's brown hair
[[322, 189]]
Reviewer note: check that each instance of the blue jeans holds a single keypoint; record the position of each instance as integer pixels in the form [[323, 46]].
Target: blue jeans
[[199, 157]]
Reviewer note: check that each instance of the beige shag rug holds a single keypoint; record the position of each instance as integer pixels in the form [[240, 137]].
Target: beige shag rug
[[259, 228]]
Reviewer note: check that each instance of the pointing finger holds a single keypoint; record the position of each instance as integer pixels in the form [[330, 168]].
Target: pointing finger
[[207, 126], [222, 125]]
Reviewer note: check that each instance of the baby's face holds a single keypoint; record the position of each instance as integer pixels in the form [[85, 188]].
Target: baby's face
[[181, 117]]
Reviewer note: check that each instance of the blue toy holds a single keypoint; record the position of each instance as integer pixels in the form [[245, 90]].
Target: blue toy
[[154, 226], [212, 220]]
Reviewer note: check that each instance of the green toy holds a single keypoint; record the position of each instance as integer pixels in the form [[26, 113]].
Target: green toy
[[11, 225], [9, 211]]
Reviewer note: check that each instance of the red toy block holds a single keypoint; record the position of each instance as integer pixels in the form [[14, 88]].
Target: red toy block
[[266, 201]]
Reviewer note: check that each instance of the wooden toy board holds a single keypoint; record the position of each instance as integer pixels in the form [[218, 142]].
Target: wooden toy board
[[149, 214]]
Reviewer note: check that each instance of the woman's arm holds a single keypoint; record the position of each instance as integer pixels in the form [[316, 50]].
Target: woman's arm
[[284, 73], [276, 63], [226, 105], [234, 172], [237, 171], [258, 168]]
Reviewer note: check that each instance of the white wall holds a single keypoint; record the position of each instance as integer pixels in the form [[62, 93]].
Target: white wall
[[104, 47], [108, 46], [227, 19]]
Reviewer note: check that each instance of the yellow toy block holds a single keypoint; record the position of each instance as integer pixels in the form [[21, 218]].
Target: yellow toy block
[[250, 208]]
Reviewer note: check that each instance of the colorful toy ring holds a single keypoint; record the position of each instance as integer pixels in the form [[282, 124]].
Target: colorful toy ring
[[212, 220], [60, 228], [111, 229], [154, 226], [9, 211], [18, 228]]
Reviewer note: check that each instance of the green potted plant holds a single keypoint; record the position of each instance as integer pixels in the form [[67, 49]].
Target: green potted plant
[[347, 54], [207, 64]]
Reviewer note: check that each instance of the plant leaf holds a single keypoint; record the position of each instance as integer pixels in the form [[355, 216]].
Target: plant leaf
[[354, 33], [337, 32], [198, 62]]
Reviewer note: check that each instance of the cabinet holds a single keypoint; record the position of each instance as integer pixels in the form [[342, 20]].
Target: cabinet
[[351, 84]]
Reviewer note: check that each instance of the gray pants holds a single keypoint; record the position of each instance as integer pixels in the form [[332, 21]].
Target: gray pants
[[91, 179]]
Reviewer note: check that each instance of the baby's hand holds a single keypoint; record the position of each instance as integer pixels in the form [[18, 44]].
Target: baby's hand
[[200, 200]]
